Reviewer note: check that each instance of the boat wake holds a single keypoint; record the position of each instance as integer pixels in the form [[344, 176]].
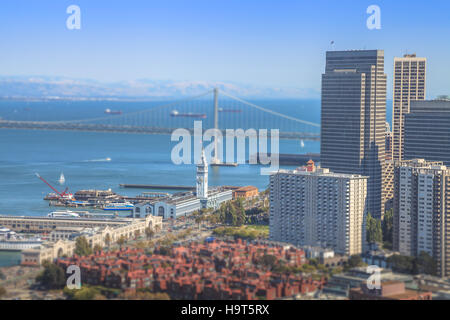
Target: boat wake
[[99, 160]]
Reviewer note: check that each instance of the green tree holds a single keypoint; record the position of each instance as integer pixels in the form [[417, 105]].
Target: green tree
[[52, 277], [240, 214], [425, 263], [268, 260], [403, 264], [388, 224], [108, 240], [85, 293], [373, 228], [354, 261], [82, 247], [98, 248]]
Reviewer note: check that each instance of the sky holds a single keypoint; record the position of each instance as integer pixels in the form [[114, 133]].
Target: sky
[[277, 43]]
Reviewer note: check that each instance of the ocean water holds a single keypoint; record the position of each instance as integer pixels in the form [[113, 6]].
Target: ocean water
[[135, 159]]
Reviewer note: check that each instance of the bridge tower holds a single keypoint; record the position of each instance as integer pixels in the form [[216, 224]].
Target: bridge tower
[[216, 124]]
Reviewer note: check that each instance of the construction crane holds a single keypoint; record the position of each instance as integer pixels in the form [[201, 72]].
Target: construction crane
[[63, 195]]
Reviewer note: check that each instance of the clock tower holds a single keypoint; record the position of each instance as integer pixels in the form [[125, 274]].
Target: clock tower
[[202, 178]]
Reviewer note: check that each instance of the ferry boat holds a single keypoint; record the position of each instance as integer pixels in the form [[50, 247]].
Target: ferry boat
[[175, 113], [63, 214], [118, 206], [52, 196]]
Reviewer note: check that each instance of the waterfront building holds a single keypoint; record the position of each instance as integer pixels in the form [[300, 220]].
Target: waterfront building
[[422, 211], [409, 85], [186, 203], [248, 192], [318, 208], [427, 131], [97, 234], [353, 119]]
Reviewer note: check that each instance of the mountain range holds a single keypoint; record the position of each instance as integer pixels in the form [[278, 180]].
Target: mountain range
[[47, 88]]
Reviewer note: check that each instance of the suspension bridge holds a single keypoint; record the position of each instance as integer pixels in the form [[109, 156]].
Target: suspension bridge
[[222, 112]]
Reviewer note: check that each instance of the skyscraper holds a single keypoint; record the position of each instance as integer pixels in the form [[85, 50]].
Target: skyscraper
[[427, 131], [354, 119], [409, 85]]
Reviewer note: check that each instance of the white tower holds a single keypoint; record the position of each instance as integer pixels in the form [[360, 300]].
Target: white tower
[[202, 178]]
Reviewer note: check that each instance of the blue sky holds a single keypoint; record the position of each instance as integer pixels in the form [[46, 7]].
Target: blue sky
[[268, 43]]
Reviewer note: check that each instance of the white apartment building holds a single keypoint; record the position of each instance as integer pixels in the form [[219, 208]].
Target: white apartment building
[[421, 206], [315, 207]]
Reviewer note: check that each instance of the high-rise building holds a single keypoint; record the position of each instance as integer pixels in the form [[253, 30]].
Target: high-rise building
[[388, 178], [354, 119], [427, 131], [409, 85], [422, 211], [315, 207]]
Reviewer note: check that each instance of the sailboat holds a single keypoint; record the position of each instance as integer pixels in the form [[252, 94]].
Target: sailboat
[[302, 144], [62, 179]]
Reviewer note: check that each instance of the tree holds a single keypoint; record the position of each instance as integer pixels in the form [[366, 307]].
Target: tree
[[354, 262], [268, 260], [82, 247], [388, 225], [240, 216], [121, 241], [373, 228], [107, 240], [52, 277], [85, 293], [98, 248], [403, 264], [425, 263]]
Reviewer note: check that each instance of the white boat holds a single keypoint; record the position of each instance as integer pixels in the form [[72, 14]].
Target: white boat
[[126, 206], [62, 179], [63, 214]]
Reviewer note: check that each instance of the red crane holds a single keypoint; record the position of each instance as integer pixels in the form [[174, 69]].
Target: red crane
[[62, 195]]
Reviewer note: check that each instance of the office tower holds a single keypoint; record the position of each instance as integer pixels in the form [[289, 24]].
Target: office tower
[[421, 211], [409, 85], [427, 131], [388, 178], [315, 207], [388, 142], [354, 119]]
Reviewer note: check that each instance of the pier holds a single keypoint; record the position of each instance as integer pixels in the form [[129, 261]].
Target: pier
[[156, 187]]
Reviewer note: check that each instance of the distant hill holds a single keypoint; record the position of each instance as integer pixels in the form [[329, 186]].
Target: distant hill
[[40, 87]]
